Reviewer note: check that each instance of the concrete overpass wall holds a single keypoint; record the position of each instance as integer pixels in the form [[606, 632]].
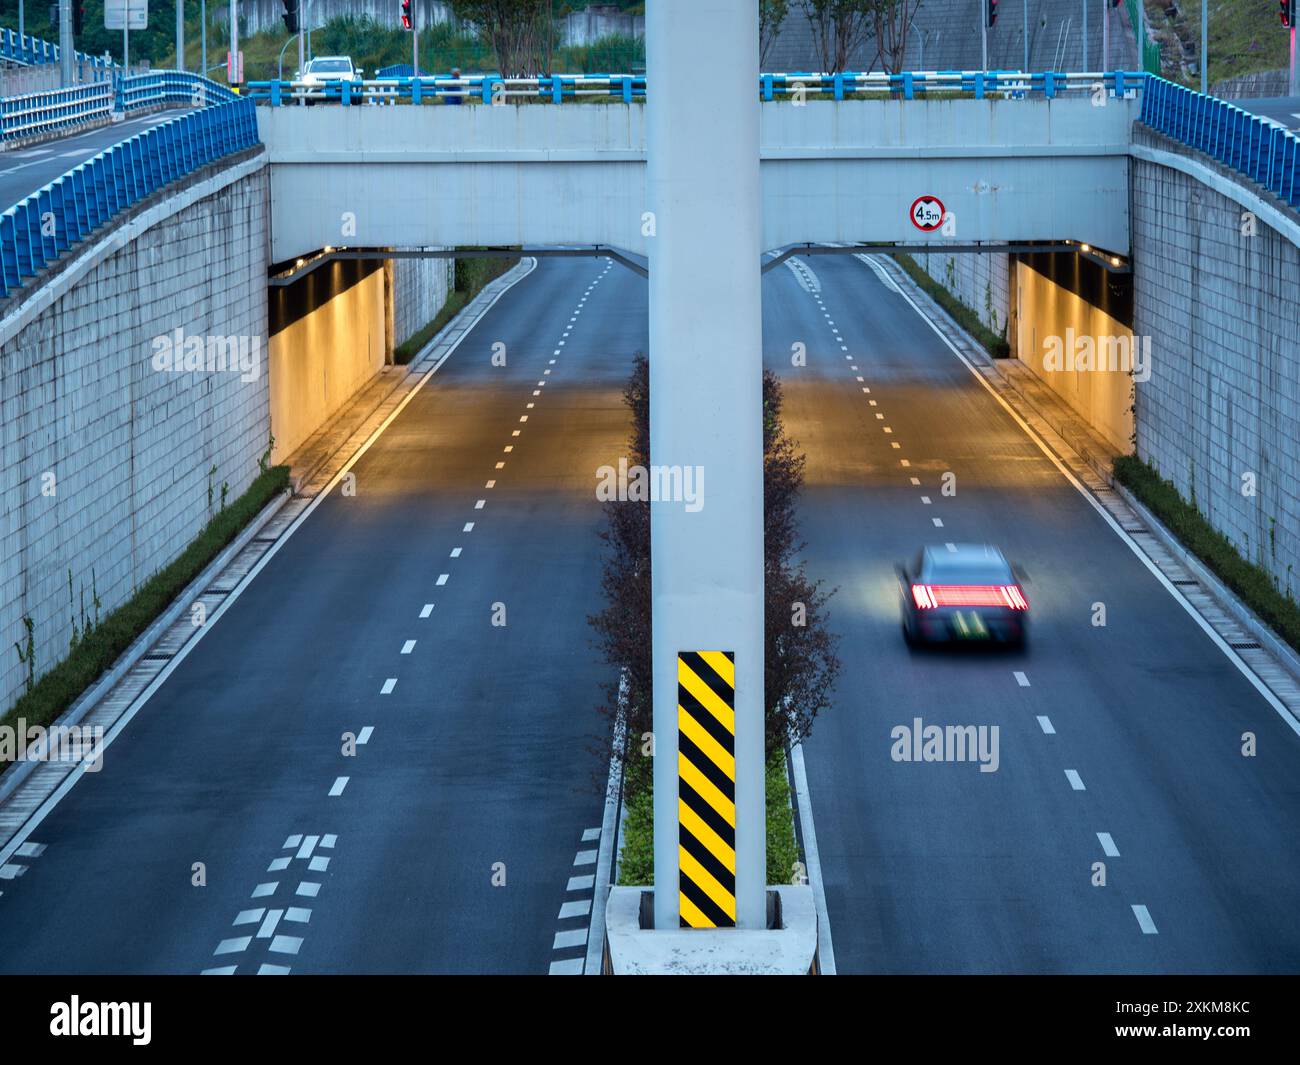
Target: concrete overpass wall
[[848, 171], [1218, 270], [110, 449]]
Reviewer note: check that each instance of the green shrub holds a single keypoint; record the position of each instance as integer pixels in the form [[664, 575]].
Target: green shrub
[[1250, 581], [964, 316]]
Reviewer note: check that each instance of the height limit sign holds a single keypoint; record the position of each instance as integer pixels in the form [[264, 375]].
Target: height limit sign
[[927, 213]]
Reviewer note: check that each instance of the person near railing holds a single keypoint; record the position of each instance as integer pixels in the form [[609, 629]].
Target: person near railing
[[454, 96]]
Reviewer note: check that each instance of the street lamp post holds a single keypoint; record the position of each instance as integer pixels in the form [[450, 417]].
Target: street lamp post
[[180, 34], [920, 47]]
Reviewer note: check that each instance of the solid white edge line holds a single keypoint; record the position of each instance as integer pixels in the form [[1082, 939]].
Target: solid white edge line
[[42, 811], [813, 862], [605, 859], [1118, 530]]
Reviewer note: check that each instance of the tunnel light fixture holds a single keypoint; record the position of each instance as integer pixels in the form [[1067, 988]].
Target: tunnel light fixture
[[1085, 247]]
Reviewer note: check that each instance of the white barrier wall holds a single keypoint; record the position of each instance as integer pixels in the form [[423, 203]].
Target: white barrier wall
[[407, 177]]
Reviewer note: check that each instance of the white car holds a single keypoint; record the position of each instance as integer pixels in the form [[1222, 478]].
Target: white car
[[326, 71]]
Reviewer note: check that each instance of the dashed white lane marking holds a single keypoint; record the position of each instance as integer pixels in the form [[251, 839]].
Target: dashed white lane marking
[[1076, 781], [590, 835], [904, 462], [938, 522], [1107, 845], [455, 552], [915, 480], [426, 610], [568, 967], [880, 417], [408, 647], [1145, 923], [278, 865], [308, 845], [264, 890], [266, 969], [585, 858], [896, 444], [388, 687], [224, 970], [339, 784], [577, 908], [576, 937], [363, 737], [248, 916], [481, 503], [951, 547], [888, 429], [307, 889], [508, 448], [268, 924], [580, 883], [469, 527], [925, 500], [233, 946], [1045, 723], [442, 579], [1021, 679], [523, 417], [501, 465], [285, 945]]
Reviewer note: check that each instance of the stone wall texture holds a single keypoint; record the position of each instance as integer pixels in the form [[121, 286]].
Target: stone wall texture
[[1220, 416], [111, 466]]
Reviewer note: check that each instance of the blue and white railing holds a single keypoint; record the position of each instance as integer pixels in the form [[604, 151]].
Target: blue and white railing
[[1262, 150], [40, 114], [396, 85], [164, 87], [37, 114], [37, 231], [24, 48]]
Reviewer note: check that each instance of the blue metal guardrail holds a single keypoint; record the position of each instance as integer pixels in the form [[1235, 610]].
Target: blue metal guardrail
[[1262, 150], [36, 114], [35, 232], [33, 51], [395, 84]]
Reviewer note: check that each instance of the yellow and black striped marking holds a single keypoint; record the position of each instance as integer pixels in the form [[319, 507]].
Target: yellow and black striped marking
[[706, 788]]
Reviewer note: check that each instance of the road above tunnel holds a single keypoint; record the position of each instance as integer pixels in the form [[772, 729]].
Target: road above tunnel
[[1119, 744]]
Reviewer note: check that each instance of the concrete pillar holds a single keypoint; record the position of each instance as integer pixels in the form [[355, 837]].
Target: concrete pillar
[[706, 401]]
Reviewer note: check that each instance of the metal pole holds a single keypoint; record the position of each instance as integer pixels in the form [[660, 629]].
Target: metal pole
[[706, 415], [1105, 35], [203, 36], [66, 46], [984, 34], [920, 46], [1085, 34], [1141, 36], [234, 42], [1205, 47], [415, 38], [180, 34], [1291, 82], [1026, 66], [302, 61], [22, 23]]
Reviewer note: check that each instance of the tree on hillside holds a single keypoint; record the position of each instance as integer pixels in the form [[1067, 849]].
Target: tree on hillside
[[520, 32], [891, 23], [771, 14], [799, 652], [839, 27]]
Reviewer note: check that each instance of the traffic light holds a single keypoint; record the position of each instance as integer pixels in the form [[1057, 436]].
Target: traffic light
[[406, 14], [290, 15], [78, 17], [1286, 12], [991, 11]]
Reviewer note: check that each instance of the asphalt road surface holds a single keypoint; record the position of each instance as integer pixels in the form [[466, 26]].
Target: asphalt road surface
[[483, 761], [938, 867], [1119, 744], [24, 170]]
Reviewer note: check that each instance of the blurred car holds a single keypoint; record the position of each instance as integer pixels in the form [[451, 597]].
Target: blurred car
[[962, 592]]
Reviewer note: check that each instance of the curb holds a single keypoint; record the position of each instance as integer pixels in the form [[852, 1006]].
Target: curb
[[11, 780], [1223, 595]]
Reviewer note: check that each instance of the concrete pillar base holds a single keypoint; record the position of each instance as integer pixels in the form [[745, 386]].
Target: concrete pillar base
[[634, 947]]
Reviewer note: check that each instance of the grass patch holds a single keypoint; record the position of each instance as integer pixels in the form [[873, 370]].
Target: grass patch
[[637, 843], [965, 317], [1251, 582], [472, 276], [102, 643]]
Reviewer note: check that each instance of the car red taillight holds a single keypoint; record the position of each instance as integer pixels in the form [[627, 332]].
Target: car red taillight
[[932, 596]]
